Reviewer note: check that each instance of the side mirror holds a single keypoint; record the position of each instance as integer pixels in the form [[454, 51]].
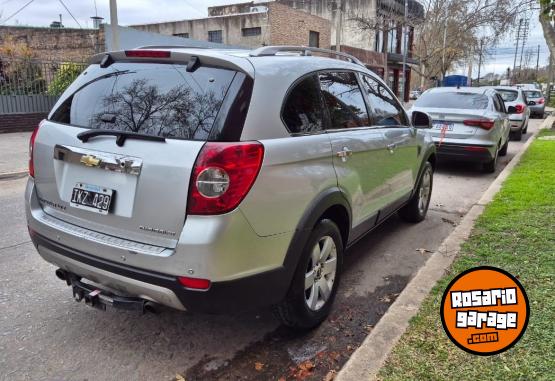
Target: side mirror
[[420, 119], [511, 110]]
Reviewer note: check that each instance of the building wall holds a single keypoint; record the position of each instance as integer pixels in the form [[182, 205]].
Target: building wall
[[20, 122], [56, 44], [280, 25], [351, 33], [292, 27], [231, 27]]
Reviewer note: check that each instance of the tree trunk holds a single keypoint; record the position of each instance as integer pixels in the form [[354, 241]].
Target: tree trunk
[[548, 32]]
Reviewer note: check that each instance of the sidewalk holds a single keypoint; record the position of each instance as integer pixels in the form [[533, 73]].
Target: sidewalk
[[14, 152], [515, 233]]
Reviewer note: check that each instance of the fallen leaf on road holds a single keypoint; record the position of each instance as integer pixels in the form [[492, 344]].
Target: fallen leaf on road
[[424, 251], [258, 366], [179, 377], [330, 376]]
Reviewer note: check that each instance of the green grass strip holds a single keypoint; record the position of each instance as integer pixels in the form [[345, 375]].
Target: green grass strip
[[516, 232]]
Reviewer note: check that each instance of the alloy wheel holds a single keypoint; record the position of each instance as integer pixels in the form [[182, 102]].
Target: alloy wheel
[[320, 273]]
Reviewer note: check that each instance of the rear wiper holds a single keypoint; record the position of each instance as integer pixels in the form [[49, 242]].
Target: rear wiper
[[121, 136]]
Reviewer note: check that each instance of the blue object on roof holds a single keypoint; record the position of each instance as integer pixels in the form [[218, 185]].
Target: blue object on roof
[[455, 80]]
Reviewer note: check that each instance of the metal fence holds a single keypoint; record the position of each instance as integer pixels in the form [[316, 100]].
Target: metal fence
[[30, 86]]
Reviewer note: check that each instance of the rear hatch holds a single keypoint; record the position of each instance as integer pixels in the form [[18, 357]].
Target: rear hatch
[[133, 185], [450, 110]]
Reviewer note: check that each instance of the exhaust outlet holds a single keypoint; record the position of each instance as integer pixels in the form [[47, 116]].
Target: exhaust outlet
[[150, 307], [61, 274]]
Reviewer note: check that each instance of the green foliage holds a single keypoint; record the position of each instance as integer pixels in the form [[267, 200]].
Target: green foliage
[[65, 75]]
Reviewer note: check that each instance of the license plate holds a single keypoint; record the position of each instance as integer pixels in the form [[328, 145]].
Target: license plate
[[442, 125], [92, 198]]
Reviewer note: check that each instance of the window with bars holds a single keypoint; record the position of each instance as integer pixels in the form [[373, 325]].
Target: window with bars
[[215, 36], [250, 32]]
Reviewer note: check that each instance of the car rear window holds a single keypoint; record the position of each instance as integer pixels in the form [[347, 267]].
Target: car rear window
[[533, 94], [455, 99], [146, 98], [508, 95]]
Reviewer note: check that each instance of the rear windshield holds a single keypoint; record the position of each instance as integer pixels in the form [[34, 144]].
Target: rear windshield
[[457, 100], [508, 95], [533, 94], [146, 98]]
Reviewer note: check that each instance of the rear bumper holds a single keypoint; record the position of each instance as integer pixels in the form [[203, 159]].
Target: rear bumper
[[465, 152], [517, 124], [250, 292], [245, 270], [537, 109]]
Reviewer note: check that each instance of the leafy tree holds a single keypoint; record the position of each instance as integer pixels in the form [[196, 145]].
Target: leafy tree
[[65, 75]]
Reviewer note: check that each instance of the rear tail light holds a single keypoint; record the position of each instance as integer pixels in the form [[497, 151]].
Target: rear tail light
[[31, 151], [222, 176], [486, 124], [519, 108], [148, 53], [194, 283], [541, 101]]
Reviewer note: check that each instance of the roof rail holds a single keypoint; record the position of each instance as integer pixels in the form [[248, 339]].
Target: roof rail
[[171, 47], [303, 50]]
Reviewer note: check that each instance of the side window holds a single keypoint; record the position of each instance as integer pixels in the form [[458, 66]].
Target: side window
[[387, 111], [344, 100], [496, 104], [303, 111]]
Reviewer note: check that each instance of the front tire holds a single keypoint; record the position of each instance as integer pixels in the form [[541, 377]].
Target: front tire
[[417, 207], [316, 279]]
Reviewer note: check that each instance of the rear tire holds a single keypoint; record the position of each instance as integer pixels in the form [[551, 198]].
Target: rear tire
[[517, 135], [525, 129], [316, 279], [490, 166], [417, 207], [503, 150]]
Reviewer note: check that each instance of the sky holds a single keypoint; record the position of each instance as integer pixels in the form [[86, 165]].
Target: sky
[[43, 12]]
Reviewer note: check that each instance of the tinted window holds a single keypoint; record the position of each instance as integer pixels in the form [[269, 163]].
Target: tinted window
[[533, 94], [501, 103], [497, 104], [387, 111], [508, 95], [344, 100], [154, 99], [457, 100], [303, 111]]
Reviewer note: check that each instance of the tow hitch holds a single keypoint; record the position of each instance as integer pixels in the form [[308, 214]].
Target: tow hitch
[[98, 298]]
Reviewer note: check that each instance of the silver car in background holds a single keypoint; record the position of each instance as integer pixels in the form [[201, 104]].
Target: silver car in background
[[469, 124], [536, 102], [514, 96]]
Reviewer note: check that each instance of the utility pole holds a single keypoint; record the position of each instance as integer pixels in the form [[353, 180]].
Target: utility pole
[[524, 37], [517, 40], [480, 59], [339, 25], [405, 47], [114, 24], [443, 69], [538, 63], [550, 78], [470, 63]]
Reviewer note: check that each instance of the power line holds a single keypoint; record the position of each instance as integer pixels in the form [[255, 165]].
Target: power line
[[71, 14], [16, 12]]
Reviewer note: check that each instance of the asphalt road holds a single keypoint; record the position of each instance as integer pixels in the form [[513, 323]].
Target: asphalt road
[[45, 335]]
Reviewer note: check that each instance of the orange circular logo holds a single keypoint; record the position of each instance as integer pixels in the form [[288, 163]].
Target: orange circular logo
[[485, 310]]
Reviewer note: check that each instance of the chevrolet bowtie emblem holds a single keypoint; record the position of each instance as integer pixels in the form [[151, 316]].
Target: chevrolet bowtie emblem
[[90, 161]]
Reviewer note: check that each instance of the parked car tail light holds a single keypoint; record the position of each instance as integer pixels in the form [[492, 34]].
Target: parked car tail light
[[148, 53], [194, 283], [541, 101], [519, 108], [486, 124], [31, 150], [222, 176]]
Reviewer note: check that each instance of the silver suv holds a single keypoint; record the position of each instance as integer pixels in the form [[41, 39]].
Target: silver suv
[[212, 180]]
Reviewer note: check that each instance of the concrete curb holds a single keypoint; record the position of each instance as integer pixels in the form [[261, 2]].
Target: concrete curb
[[367, 360], [13, 175]]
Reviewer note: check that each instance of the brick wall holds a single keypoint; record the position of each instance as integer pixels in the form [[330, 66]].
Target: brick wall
[[20, 122], [56, 44], [292, 27]]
